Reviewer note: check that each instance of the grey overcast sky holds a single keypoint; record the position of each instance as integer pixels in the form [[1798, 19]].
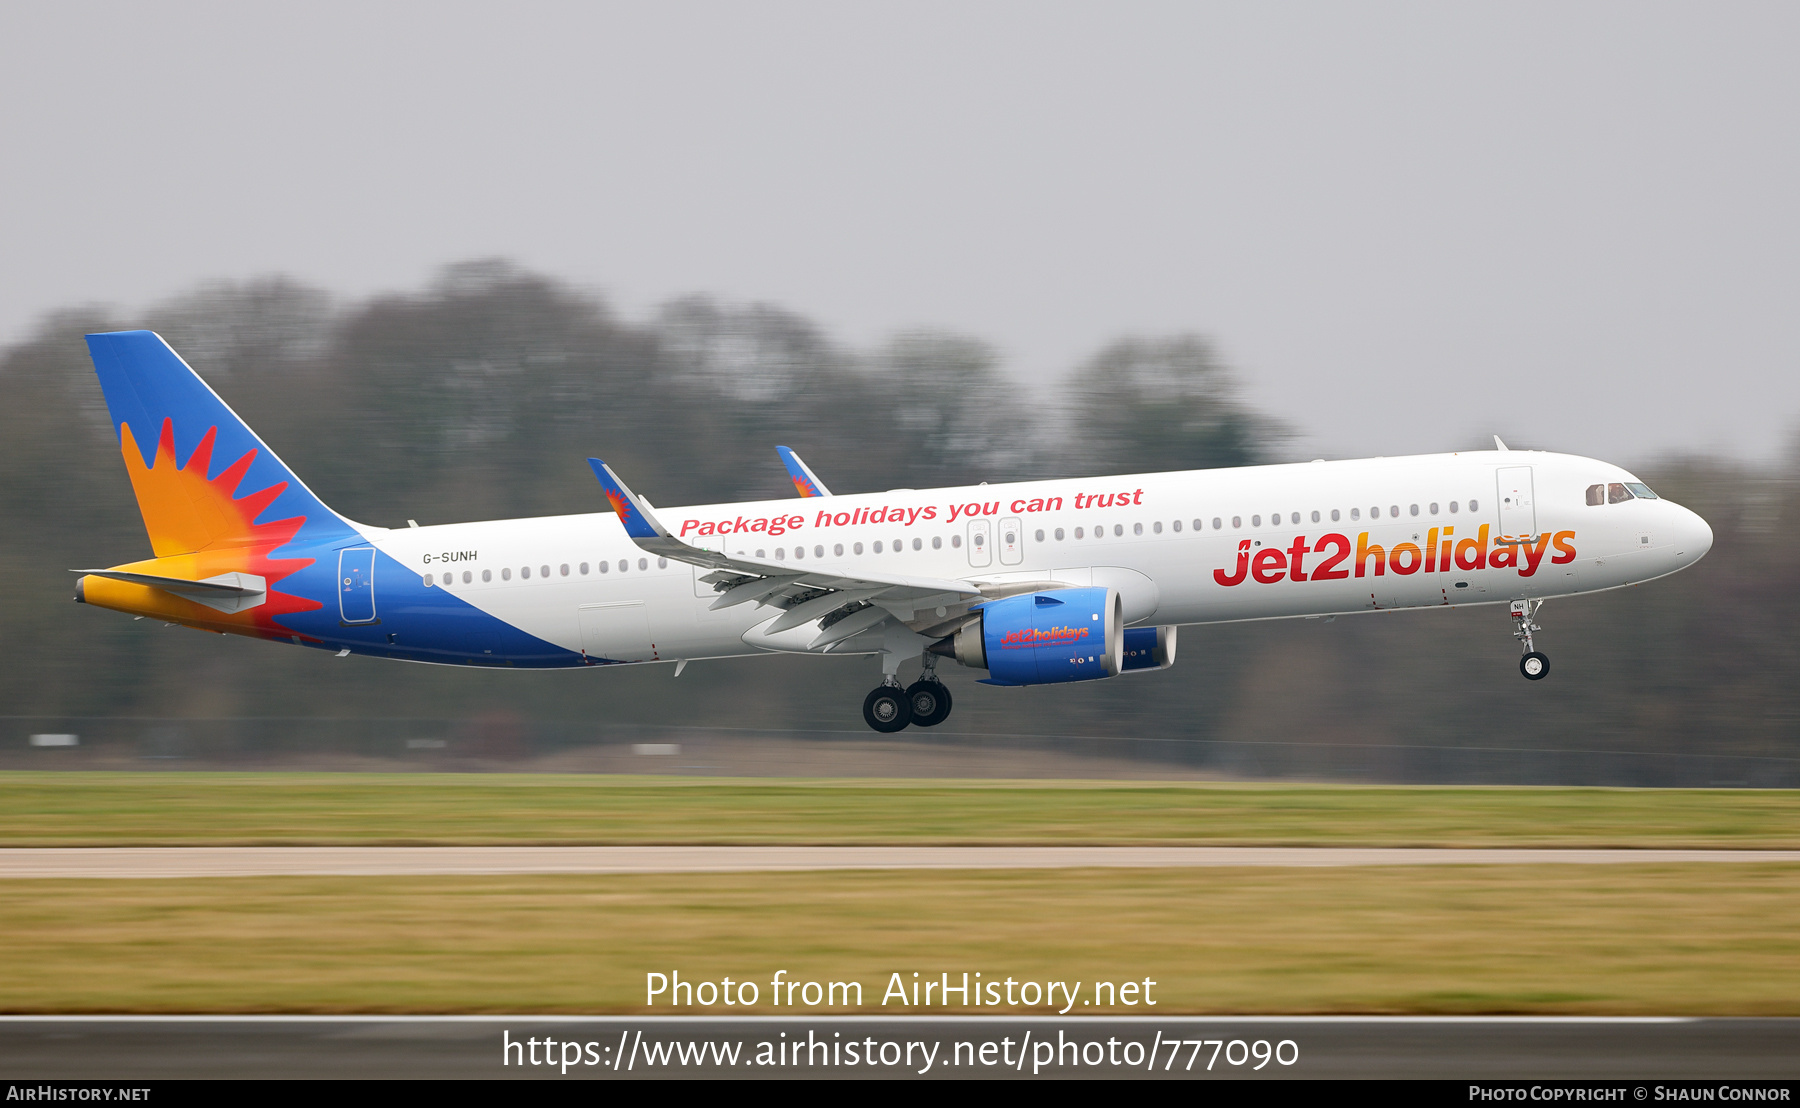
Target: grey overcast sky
[[1406, 225]]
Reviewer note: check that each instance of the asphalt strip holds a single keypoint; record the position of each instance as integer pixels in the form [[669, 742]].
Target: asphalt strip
[[382, 861]]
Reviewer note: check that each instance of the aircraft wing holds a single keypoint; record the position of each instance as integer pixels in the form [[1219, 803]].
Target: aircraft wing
[[805, 482], [844, 604]]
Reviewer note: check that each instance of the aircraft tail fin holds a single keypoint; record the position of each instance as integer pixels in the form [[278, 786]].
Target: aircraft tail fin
[[203, 478]]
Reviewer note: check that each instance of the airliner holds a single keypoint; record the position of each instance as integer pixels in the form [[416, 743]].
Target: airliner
[[1028, 583]]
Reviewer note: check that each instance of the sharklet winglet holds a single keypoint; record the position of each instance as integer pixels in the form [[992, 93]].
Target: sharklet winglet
[[806, 482], [633, 512]]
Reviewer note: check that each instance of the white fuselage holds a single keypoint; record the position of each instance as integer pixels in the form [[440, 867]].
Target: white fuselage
[[1181, 548]]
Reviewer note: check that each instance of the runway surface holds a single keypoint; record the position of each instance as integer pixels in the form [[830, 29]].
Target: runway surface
[[255, 861], [1640, 1051]]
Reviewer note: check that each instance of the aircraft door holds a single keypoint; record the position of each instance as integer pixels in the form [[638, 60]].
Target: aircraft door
[[1518, 509], [356, 585], [1011, 542], [981, 542], [616, 632]]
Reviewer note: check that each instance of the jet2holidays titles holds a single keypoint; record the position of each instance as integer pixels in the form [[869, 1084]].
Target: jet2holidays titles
[[1441, 551]]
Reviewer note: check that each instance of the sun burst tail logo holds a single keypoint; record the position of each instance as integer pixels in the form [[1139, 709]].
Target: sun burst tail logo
[[210, 529]]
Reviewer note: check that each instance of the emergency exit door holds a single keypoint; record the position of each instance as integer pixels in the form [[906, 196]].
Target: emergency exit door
[[356, 585], [981, 542], [1011, 542], [1518, 510]]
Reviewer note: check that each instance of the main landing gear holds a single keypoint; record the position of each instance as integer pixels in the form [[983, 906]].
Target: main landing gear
[[930, 701], [1534, 665], [926, 702], [888, 708]]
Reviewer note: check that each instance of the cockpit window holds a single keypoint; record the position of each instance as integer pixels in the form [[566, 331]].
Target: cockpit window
[[1596, 494], [1617, 493], [1640, 490]]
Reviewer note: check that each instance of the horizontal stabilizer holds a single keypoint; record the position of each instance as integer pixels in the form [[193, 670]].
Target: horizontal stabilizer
[[226, 592]]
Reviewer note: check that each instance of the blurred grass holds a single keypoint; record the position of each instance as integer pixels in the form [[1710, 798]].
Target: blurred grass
[[1632, 939], [72, 809]]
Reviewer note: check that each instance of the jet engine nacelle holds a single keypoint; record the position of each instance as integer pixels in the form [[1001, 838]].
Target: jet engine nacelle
[[1043, 638], [1148, 648]]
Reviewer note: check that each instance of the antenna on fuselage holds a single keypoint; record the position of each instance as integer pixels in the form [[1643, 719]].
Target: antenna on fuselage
[[1498, 445]]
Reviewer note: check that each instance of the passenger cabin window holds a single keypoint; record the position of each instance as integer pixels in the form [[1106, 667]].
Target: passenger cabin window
[[1334, 515], [956, 542], [856, 548], [487, 575], [1177, 525], [1156, 527], [506, 575], [935, 543], [468, 576], [643, 563], [1617, 493], [525, 573], [1596, 495], [1216, 523], [1255, 521], [1453, 507], [1356, 513], [1059, 534], [428, 580]]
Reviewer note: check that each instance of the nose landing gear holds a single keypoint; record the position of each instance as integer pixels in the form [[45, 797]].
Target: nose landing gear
[[1534, 665]]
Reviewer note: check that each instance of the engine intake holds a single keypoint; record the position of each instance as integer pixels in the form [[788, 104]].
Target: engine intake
[[1043, 638]]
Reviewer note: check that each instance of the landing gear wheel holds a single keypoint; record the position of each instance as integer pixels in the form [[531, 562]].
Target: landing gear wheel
[[887, 709], [1534, 666], [930, 702]]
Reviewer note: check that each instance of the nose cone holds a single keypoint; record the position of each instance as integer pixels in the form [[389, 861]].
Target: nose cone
[[1693, 535]]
